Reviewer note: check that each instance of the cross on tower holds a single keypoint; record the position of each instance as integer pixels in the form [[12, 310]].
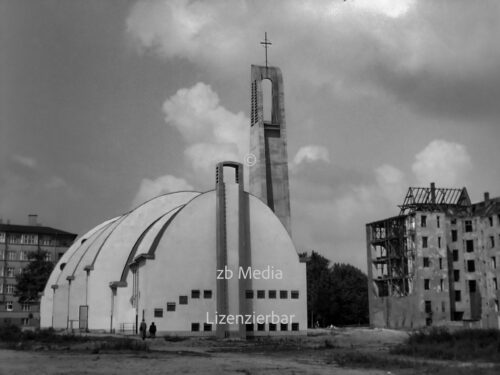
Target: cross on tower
[[266, 43]]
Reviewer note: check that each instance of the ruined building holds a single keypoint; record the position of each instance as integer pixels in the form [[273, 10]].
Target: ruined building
[[436, 263]]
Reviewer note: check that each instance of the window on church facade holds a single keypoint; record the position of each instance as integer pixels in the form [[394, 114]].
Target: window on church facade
[[261, 294], [195, 293], [295, 294], [283, 294], [249, 294], [158, 313], [195, 327], [272, 294], [183, 300], [261, 327], [207, 327], [284, 327], [170, 306], [295, 326], [207, 293]]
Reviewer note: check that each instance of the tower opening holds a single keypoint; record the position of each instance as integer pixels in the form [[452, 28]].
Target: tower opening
[[267, 100]]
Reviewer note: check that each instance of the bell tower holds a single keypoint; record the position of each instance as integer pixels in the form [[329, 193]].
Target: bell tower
[[269, 174]]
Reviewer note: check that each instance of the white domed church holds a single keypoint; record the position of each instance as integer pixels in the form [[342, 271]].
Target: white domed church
[[217, 263]]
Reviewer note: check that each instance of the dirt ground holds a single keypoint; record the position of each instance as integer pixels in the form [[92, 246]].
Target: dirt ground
[[202, 356]]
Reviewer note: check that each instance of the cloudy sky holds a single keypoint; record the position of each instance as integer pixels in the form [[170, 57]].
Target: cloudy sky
[[104, 104]]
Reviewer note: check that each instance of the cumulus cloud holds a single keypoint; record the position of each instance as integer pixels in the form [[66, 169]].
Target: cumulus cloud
[[25, 161], [414, 51], [310, 154], [211, 132], [445, 163], [162, 185]]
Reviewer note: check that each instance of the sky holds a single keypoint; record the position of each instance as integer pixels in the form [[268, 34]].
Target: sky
[[104, 104]]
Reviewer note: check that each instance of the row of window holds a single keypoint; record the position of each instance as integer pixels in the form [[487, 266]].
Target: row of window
[[195, 327], [9, 306], [260, 294], [7, 288], [207, 294], [9, 271], [33, 239], [23, 255]]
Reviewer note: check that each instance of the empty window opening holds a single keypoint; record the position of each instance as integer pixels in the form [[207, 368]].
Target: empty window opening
[[195, 293], [458, 295], [283, 294], [423, 221], [426, 262], [472, 286], [428, 307], [456, 275], [195, 327], [471, 266], [469, 246], [170, 306], [272, 294], [267, 99], [454, 235], [207, 327], [249, 327], [439, 242], [294, 294], [495, 283], [183, 300], [261, 294], [295, 326], [284, 327], [494, 262], [438, 221], [427, 283], [261, 326], [249, 294], [424, 242], [455, 255], [468, 225], [440, 263]]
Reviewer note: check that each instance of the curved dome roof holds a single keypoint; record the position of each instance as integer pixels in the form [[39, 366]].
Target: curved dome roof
[[116, 242]]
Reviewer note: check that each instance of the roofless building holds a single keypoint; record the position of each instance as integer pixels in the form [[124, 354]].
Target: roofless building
[[435, 263]]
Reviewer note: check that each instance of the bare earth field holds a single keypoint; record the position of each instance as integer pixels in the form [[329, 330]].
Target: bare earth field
[[317, 354]]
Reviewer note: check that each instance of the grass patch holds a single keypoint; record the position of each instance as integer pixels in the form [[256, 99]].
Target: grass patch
[[357, 359], [463, 345]]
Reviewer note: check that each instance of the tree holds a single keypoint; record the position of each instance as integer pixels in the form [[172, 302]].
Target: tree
[[348, 295], [335, 295], [34, 276], [317, 277]]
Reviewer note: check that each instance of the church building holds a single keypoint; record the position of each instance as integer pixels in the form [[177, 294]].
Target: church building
[[219, 263]]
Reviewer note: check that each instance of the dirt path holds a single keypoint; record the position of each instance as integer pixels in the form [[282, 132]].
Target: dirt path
[[168, 362]]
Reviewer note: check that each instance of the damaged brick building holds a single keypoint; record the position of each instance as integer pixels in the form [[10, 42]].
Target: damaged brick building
[[437, 262]]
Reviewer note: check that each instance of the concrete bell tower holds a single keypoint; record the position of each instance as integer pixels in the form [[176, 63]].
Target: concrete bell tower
[[269, 174]]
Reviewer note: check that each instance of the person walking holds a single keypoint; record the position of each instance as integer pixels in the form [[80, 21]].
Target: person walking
[[152, 330], [143, 328]]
